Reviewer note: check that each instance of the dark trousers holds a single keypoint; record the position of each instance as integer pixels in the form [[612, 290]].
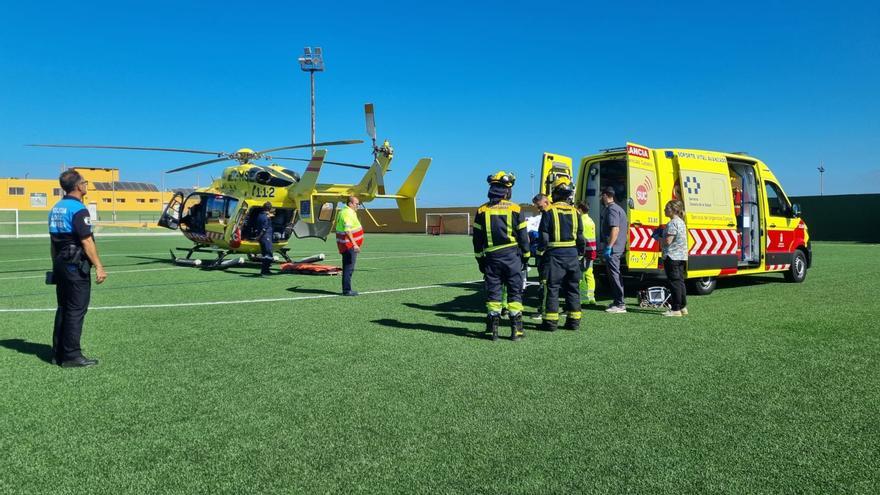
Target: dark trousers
[[675, 275], [504, 268], [615, 278], [563, 275], [266, 252], [73, 290], [349, 258]]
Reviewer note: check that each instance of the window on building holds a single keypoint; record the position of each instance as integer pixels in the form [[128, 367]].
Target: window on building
[[120, 200], [57, 192], [141, 200], [105, 200], [154, 200], [16, 191]]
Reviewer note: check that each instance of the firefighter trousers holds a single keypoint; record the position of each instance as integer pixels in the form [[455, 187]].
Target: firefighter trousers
[[504, 269], [563, 278]]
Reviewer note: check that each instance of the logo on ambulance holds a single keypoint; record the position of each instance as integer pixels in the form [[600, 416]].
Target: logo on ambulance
[[642, 194], [637, 151]]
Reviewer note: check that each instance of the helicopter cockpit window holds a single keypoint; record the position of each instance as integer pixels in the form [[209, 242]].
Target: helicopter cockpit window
[[220, 209], [193, 218]]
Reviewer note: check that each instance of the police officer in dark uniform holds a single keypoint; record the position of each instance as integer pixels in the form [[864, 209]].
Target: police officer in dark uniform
[[501, 245], [73, 254], [561, 242], [264, 234]]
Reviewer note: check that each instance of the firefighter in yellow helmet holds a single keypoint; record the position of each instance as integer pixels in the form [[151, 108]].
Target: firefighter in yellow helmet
[[561, 242], [501, 246]]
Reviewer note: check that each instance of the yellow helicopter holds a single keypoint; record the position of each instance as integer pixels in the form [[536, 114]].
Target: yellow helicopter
[[217, 218]]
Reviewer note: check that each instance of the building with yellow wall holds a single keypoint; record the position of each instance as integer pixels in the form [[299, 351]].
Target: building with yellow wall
[[105, 191]]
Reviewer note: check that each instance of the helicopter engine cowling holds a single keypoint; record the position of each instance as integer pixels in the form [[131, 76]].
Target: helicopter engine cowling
[[259, 175]]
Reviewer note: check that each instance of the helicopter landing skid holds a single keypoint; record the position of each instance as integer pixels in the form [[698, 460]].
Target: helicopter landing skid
[[219, 263]]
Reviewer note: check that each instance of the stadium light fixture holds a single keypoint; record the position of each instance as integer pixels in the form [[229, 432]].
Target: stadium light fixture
[[311, 62]]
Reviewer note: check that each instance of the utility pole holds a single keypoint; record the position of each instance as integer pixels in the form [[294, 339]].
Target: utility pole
[[311, 62], [821, 170]]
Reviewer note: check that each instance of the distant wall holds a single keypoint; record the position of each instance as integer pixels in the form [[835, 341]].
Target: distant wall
[[840, 218], [395, 225]]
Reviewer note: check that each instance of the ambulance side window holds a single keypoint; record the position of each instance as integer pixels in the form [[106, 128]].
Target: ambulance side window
[[776, 201]]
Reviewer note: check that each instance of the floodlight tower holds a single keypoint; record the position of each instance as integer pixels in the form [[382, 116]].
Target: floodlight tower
[[821, 170], [311, 62]]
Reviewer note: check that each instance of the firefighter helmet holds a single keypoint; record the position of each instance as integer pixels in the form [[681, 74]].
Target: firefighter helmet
[[503, 178]]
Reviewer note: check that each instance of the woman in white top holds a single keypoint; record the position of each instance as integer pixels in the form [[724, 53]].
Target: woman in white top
[[674, 243]]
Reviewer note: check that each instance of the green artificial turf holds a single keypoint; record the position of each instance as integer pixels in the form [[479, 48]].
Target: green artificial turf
[[767, 387]]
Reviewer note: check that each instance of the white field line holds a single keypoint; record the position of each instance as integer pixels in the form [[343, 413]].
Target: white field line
[[100, 234], [141, 270], [46, 258], [292, 255], [237, 301]]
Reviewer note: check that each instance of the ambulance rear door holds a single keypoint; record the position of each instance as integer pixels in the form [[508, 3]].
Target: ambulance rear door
[[552, 166], [644, 208], [704, 182]]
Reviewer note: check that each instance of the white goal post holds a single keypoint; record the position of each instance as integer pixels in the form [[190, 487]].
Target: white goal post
[[5, 223], [447, 223]]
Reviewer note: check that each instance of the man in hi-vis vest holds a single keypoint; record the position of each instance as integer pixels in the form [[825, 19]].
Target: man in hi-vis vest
[[349, 239]]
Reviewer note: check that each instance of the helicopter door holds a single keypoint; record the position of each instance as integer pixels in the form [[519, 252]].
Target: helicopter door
[[170, 218], [322, 226], [235, 223]]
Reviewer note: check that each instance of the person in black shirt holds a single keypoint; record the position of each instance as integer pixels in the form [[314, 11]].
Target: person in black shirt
[[264, 235], [73, 254]]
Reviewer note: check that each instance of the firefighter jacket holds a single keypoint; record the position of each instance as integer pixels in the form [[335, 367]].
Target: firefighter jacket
[[499, 225], [561, 230]]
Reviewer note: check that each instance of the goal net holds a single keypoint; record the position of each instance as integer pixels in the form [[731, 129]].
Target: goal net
[[447, 223], [9, 223]]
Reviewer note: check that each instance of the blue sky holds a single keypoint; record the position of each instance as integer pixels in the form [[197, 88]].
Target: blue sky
[[477, 86]]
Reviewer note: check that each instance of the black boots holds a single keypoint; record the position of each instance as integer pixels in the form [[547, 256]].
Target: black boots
[[516, 327], [572, 323], [550, 325], [493, 321]]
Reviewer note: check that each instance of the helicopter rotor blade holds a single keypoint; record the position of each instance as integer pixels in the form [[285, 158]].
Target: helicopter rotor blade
[[199, 164], [325, 143], [341, 164], [141, 148], [371, 121]]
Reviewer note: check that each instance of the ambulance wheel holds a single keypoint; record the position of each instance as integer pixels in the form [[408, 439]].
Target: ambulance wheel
[[797, 272], [703, 286]]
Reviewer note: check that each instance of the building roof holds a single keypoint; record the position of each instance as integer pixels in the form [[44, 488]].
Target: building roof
[[125, 186]]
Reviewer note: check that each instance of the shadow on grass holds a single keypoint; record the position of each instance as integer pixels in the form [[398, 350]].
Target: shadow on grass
[[42, 351], [300, 290], [460, 332]]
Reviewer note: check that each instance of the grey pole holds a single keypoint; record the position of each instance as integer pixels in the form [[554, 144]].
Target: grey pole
[[821, 170], [312, 78], [312, 61]]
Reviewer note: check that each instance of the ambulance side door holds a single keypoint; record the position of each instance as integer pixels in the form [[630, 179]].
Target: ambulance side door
[[553, 165], [644, 208], [704, 180]]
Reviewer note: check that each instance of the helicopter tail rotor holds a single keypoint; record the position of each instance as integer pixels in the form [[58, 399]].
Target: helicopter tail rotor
[[370, 117]]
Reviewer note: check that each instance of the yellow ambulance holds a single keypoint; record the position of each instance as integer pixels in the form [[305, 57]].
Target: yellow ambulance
[[739, 220]]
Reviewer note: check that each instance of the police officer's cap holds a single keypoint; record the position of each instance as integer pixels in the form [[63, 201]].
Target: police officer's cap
[[506, 179]]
